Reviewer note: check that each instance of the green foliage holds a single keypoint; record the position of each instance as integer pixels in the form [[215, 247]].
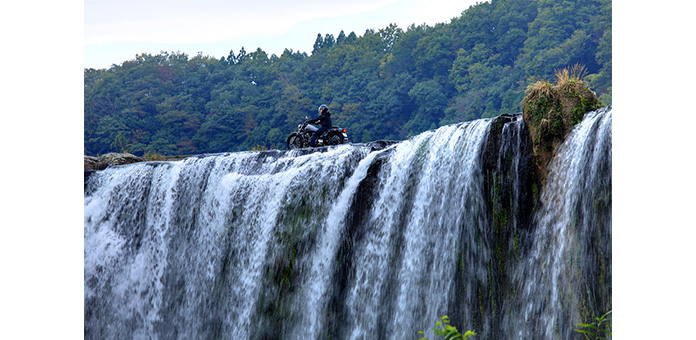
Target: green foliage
[[599, 328], [259, 148], [120, 143], [388, 83], [153, 156], [447, 331]]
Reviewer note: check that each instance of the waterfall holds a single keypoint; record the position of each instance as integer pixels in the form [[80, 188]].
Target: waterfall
[[404, 265], [178, 250], [566, 278], [363, 241]]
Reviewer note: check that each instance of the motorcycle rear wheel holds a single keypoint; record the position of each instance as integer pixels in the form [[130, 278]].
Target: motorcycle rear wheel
[[334, 139]]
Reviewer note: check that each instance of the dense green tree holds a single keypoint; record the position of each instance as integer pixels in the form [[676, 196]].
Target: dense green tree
[[434, 53], [430, 102], [318, 44], [388, 83], [341, 38], [389, 36]]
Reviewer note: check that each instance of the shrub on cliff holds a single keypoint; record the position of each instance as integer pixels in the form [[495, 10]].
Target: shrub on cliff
[[552, 109]]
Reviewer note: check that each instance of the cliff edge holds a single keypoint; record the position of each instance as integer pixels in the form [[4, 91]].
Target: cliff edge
[[550, 111]]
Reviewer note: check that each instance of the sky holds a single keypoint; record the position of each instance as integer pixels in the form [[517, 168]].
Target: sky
[[117, 30]]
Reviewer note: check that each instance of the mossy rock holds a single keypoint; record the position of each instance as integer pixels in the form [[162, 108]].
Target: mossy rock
[[551, 111], [576, 99]]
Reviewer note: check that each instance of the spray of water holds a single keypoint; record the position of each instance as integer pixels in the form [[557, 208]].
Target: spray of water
[[348, 242]]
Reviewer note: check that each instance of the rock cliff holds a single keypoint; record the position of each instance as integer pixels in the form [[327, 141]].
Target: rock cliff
[[550, 112]]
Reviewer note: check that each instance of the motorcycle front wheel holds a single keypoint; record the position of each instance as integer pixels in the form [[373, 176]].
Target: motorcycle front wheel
[[294, 141]]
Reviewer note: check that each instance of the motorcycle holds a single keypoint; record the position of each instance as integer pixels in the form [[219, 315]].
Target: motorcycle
[[300, 139]]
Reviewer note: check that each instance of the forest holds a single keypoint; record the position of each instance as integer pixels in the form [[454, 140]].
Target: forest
[[389, 83]]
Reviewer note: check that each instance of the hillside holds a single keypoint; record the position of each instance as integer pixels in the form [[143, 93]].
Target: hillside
[[390, 83]]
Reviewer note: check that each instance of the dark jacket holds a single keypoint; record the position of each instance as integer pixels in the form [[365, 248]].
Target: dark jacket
[[324, 119]]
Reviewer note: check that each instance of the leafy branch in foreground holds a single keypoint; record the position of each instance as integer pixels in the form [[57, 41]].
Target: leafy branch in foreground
[[447, 331], [599, 326]]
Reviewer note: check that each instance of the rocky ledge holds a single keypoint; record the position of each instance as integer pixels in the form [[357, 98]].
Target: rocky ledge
[[95, 163], [102, 162]]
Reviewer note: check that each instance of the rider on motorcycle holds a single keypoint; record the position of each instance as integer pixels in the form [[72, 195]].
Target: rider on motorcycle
[[324, 119]]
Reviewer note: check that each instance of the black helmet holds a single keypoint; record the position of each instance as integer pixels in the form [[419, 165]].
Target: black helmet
[[323, 107]]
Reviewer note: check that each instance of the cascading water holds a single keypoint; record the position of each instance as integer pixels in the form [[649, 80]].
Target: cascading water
[[350, 242], [177, 250], [403, 266], [566, 279]]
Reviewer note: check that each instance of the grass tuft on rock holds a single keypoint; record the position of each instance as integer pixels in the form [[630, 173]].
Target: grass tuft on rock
[[550, 110]]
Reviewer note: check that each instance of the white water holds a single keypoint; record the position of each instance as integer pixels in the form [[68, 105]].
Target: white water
[[196, 208], [264, 245], [317, 282], [551, 276], [414, 225]]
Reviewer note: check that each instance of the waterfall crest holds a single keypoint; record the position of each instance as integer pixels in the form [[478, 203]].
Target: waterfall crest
[[349, 242]]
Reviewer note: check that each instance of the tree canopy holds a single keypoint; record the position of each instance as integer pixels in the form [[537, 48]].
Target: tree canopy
[[389, 83]]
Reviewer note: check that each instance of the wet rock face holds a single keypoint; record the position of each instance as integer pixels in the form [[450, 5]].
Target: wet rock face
[[551, 111], [510, 170], [94, 163], [101, 162]]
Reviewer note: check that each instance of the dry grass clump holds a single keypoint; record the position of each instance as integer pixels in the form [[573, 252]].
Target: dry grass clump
[[574, 74], [539, 88]]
